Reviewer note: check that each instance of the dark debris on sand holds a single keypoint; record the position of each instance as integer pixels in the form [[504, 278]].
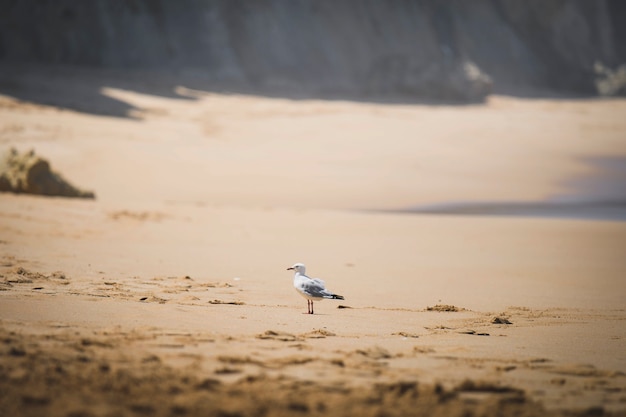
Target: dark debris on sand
[[443, 307]]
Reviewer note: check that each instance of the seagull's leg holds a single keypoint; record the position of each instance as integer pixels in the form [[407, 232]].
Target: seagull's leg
[[308, 306], [312, 307]]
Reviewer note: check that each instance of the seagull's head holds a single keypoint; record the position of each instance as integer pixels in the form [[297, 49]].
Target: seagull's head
[[299, 267]]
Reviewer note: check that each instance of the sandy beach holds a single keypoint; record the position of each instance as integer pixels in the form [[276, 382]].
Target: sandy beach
[[168, 294]]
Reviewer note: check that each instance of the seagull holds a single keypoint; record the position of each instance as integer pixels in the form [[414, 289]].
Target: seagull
[[310, 288]]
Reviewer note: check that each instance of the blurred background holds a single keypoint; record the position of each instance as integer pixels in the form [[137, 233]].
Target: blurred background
[[183, 69], [441, 51]]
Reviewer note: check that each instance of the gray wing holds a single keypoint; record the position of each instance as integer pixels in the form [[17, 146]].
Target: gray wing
[[315, 288]]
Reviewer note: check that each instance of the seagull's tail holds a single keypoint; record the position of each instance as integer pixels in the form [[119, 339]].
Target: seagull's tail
[[337, 297]]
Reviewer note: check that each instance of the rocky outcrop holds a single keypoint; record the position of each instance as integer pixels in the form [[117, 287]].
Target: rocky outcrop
[[30, 174], [453, 50]]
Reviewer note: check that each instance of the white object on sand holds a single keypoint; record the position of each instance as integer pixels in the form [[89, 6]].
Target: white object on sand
[[310, 288]]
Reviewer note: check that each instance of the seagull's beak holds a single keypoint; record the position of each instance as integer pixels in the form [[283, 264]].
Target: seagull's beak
[[290, 268]]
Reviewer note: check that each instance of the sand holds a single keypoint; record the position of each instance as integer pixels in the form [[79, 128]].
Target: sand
[[169, 295]]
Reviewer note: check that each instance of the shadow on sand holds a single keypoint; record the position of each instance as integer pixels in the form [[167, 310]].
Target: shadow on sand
[[598, 196], [81, 89]]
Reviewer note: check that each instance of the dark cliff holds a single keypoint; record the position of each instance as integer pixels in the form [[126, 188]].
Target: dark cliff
[[431, 49]]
